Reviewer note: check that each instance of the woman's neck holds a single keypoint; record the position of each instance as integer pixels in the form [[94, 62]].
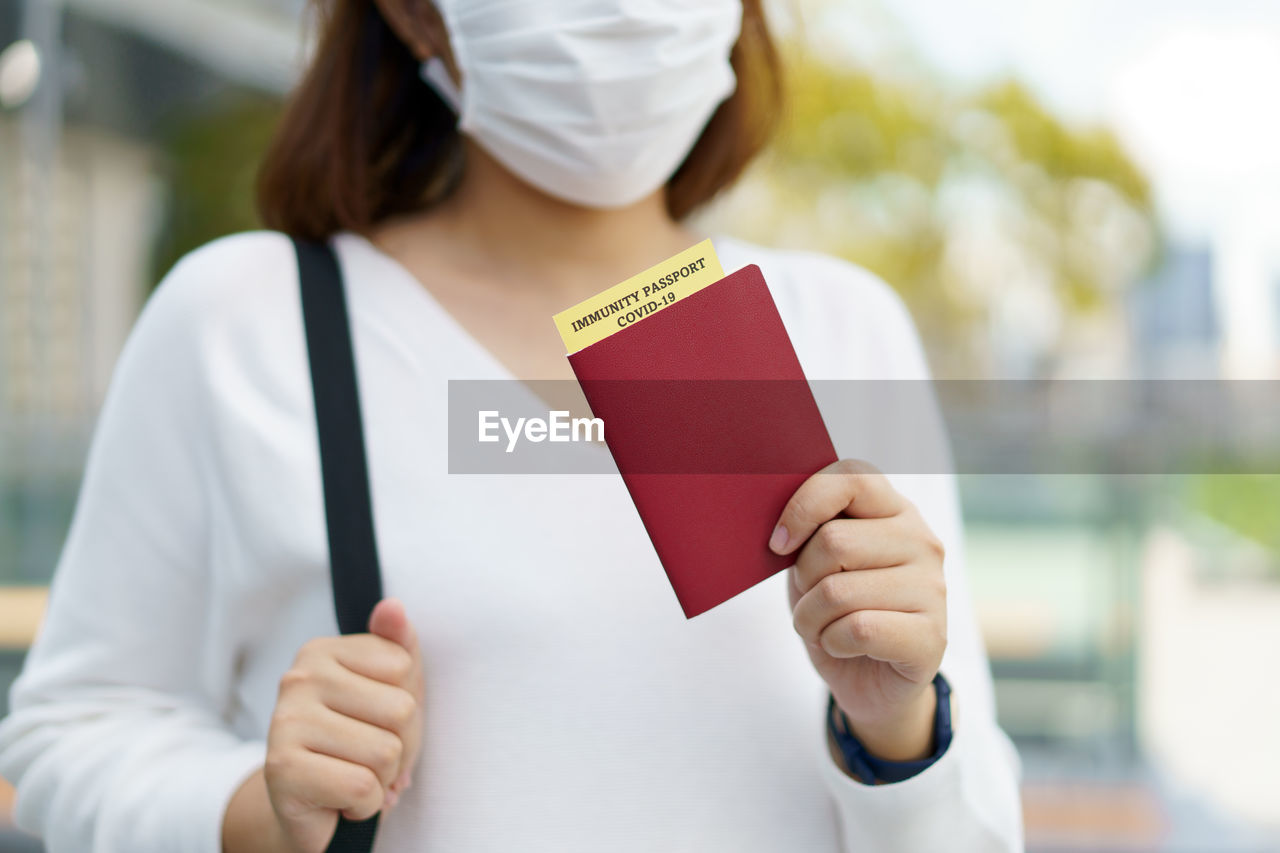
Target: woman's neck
[[502, 258], [499, 225]]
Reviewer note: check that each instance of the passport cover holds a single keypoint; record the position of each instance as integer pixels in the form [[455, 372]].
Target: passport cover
[[713, 427]]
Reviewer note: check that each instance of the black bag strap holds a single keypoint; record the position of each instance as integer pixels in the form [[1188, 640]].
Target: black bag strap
[[348, 511]]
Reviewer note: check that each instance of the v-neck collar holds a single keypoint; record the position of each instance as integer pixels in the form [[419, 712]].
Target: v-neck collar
[[402, 278], [417, 293], [408, 292]]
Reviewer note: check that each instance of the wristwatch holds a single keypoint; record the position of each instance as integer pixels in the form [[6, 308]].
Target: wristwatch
[[874, 771]]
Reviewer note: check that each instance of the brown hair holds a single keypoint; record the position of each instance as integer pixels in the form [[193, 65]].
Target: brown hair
[[363, 138]]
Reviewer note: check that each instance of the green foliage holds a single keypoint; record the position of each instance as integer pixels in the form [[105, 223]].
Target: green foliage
[[1249, 504], [843, 122], [1064, 153], [954, 198], [213, 158]]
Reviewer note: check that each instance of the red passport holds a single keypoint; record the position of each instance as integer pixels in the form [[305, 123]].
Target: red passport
[[713, 427]]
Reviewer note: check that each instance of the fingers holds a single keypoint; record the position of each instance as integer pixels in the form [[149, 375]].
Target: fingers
[[849, 544], [326, 782], [367, 678], [902, 589], [333, 734], [347, 726], [327, 683], [911, 640], [383, 705], [367, 655], [859, 584], [849, 486]]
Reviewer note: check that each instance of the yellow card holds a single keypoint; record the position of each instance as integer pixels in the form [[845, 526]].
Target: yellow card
[[638, 297]]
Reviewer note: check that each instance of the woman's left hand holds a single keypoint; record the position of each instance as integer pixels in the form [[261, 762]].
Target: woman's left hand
[[869, 599]]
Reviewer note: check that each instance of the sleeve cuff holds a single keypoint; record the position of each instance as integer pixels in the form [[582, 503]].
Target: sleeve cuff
[[965, 800], [910, 815]]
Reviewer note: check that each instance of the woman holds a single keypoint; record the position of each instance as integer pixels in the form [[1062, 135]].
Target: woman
[[531, 685]]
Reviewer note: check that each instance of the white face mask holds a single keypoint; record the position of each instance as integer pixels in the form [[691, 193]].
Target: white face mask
[[596, 102]]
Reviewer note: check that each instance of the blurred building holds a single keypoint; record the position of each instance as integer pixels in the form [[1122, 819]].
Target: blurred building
[[1247, 273], [1174, 317], [90, 88], [1212, 308]]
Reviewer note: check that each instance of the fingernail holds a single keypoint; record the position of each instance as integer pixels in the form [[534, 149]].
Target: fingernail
[[391, 799], [778, 540], [403, 781]]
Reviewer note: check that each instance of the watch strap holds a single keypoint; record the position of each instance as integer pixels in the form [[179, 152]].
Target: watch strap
[[873, 770]]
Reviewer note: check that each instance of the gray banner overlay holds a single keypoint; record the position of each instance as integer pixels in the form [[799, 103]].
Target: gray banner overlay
[[902, 427]]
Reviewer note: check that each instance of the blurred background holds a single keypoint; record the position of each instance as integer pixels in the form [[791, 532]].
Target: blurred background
[[1059, 189]]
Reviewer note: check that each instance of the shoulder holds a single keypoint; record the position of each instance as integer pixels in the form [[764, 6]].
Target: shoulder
[[231, 301], [232, 275], [234, 293], [844, 320]]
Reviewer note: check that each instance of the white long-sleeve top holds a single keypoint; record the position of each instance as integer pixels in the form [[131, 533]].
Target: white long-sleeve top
[[570, 706]]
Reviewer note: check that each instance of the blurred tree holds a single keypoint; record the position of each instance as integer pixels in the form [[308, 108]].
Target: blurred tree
[[213, 158], [978, 207], [1245, 503]]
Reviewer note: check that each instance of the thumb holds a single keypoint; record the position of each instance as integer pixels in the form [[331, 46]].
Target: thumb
[[390, 622]]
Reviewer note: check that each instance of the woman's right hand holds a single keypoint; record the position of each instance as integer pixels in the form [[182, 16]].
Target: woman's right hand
[[347, 725]]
